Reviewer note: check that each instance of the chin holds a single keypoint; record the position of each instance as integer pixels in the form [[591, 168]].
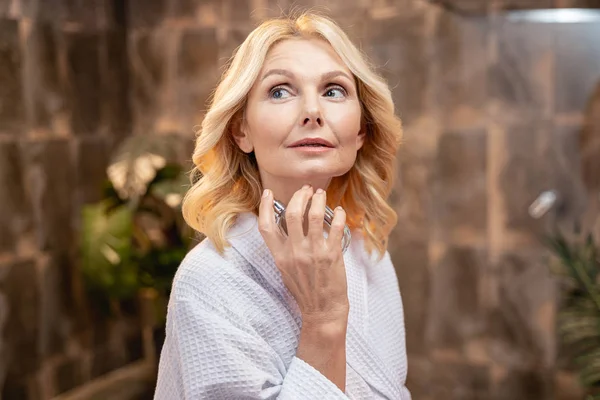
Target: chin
[[320, 173]]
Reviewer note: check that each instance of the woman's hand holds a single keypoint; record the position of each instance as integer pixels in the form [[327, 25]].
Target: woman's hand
[[312, 266]]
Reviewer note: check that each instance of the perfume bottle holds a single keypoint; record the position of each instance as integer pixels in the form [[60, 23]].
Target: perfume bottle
[[280, 220]]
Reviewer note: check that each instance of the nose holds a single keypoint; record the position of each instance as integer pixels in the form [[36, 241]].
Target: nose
[[311, 115], [313, 120]]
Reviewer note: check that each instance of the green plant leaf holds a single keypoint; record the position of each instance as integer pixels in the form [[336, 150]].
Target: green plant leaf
[[579, 316], [590, 370], [106, 249], [170, 190]]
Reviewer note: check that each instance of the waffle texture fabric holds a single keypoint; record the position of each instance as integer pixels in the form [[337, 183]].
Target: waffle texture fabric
[[233, 327]]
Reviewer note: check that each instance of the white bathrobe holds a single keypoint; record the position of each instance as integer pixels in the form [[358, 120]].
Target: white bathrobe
[[233, 328]]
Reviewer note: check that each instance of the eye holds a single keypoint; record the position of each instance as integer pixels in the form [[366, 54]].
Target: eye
[[279, 92], [335, 92]]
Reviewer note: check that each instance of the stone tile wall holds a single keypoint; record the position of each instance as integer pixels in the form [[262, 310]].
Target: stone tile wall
[[64, 104], [492, 112]]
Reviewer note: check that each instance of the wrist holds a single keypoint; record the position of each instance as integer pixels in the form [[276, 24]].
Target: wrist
[[324, 330]]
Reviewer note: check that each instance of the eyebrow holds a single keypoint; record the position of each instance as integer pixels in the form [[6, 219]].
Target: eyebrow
[[325, 76]]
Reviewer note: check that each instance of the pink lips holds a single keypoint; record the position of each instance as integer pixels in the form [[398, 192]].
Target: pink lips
[[312, 149], [312, 143]]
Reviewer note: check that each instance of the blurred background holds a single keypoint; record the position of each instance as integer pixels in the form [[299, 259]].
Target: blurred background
[[501, 106]]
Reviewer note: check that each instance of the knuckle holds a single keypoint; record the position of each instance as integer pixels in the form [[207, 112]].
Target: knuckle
[[304, 260], [315, 216], [338, 225], [325, 259], [264, 227], [278, 259], [292, 216], [300, 193], [307, 259], [285, 256]]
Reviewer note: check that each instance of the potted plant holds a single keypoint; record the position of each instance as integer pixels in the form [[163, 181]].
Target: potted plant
[[134, 239]]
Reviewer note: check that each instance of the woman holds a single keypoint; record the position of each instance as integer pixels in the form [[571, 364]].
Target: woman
[[257, 314]]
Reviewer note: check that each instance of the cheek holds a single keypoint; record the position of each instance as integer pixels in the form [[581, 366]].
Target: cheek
[[270, 126], [345, 122]]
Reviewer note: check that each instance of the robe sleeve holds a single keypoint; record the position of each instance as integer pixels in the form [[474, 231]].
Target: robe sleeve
[[206, 355]]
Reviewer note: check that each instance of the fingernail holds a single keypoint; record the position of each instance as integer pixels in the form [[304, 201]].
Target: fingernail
[[319, 190], [265, 193], [338, 208], [306, 186]]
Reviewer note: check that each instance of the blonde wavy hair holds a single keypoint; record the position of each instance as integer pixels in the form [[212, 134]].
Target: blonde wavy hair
[[226, 181]]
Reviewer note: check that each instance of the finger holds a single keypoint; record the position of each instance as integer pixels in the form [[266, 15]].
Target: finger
[[316, 216], [336, 232], [266, 221], [294, 213]]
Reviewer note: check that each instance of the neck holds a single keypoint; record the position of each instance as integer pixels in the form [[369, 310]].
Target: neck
[[284, 189]]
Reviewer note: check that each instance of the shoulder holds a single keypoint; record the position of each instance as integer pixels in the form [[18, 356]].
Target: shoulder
[[204, 272], [224, 281], [373, 260], [379, 267], [383, 265]]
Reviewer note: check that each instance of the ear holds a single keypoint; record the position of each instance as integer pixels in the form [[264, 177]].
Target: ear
[[360, 139], [240, 134]]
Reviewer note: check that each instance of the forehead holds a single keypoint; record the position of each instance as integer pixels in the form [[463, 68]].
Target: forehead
[[304, 56]]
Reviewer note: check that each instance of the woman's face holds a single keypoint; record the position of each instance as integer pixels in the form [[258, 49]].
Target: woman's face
[[304, 92]]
